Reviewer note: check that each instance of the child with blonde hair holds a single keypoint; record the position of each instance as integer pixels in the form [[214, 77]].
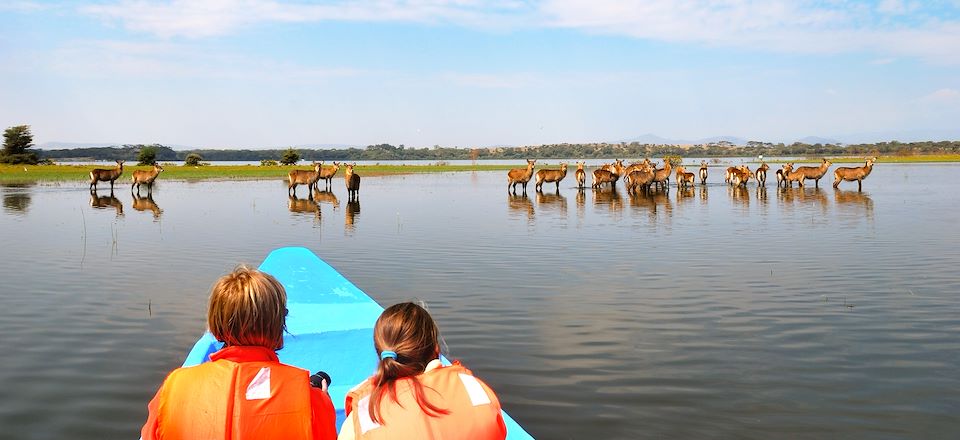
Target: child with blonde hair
[[244, 392]]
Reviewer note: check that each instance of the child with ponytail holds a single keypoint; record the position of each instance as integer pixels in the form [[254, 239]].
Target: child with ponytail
[[412, 395]]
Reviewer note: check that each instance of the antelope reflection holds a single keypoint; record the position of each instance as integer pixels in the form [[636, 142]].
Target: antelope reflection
[[520, 205], [685, 194], [853, 202], [762, 194], [146, 204], [805, 196], [611, 198], [106, 202], [581, 202], [549, 202], [326, 197], [303, 206], [641, 200], [740, 193], [654, 202], [351, 214]]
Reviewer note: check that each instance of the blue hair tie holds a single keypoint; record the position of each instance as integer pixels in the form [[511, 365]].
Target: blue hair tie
[[387, 354]]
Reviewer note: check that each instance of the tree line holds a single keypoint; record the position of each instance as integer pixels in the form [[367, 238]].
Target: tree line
[[386, 152]]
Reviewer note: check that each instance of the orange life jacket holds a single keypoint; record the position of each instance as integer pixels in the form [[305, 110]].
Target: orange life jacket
[[230, 400], [474, 410]]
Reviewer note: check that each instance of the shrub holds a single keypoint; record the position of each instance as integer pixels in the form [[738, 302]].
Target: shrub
[[16, 141], [147, 156], [268, 163], [193, 159], [290, 157], [16, 159]]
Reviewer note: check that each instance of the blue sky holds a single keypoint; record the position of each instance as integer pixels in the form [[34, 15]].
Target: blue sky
[[258, 73]]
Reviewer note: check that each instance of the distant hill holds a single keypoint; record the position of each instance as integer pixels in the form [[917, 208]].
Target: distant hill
[[813, 140], [900, 135], [653, 139], [327, 146], [57, 145], [731, 139]]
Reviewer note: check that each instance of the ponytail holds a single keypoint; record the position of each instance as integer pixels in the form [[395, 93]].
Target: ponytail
[[406, 339]]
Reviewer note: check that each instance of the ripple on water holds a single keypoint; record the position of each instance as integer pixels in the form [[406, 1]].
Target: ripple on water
[[750, 313]]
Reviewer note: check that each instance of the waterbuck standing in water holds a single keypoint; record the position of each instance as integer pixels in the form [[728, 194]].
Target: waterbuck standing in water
[[850, 174]]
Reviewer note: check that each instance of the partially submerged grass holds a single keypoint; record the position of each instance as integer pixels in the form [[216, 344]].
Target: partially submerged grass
[[28, 173]]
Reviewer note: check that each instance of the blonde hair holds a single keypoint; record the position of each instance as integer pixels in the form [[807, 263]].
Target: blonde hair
[[248, 307]]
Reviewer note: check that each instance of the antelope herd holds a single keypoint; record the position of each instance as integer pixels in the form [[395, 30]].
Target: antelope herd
[[295, 178], [641, 176], [645, 176]]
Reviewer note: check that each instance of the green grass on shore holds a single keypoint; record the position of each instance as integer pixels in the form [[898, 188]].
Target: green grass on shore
[[65, 173], [920, 158]]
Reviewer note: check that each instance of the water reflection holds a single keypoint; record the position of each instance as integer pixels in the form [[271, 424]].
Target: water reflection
[[853, 203], [106, 202], [552, 202], [655, 204], [351, 215], [303, 206], [814, 196], [147, 203], [609, 198], [740, 195], [16, 197], [741, 334], [519, 206], [641, 200], [685, 194], [661, 200], [581, 202], [763, 200], [803, 198], [703, 194], [327, 197]]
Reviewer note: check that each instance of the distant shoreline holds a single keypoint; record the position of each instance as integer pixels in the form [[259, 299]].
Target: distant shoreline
[[71, 173]]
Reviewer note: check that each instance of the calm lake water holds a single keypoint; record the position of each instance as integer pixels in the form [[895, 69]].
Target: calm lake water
[[711, 313]]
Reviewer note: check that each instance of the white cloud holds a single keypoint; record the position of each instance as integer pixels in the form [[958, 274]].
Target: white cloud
[[491, 81], [775, 25], [165, 60], [769, 25], [942, 96], [896, 7], [204, 18], [23, 6]]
